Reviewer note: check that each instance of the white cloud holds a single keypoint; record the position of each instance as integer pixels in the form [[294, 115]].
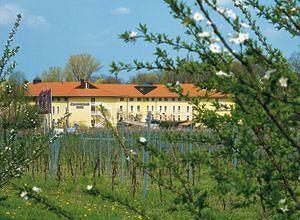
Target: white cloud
[[121, 10], [8, 14], [36, 21]]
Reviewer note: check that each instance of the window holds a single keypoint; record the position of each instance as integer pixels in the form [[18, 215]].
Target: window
[[138, 108], [153, 99], [188, 118], [178, 109], [159, 99], [139, 99], [166, 108], [66, 109], [131, 108], [93, 122], [57, 109], [188, 109], [131, 99], [53, 110], [173, 99], [53, 122], [147, 99], [179, 99], [166, 99], [160, 117], [178, 117], [160, 108], [93, 110], [122, 99], [58, 99], [173, 117], [65, 99], [152, 108], [121, 108], [173, 109], [93, 100], [148, 109]]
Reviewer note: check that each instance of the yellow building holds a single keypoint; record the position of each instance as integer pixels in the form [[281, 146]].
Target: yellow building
[[128, 102]]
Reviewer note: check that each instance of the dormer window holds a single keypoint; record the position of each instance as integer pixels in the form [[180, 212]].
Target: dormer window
[[145, 88]]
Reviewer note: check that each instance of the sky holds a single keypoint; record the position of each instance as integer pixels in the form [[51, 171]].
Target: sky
[[53, 30]]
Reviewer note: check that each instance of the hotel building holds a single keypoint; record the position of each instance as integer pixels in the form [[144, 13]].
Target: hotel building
[[128, 102]]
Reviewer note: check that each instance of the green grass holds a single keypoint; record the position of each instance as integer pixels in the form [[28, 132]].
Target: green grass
[[75, 199]]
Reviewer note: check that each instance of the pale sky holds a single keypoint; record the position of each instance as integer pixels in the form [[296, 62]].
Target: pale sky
[[53, 30]]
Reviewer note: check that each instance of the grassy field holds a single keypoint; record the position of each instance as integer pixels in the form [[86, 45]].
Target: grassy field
[[77, 162], [75, 199]]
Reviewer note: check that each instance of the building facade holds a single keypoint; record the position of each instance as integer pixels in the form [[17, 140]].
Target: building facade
[[128, 102]]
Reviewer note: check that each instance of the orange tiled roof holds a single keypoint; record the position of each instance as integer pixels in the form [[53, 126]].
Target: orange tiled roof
[[72, 89]]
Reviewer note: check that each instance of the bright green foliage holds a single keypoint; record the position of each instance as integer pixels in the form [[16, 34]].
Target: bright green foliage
[[20, 140], [81, 66], [262, 131], [53, 74]]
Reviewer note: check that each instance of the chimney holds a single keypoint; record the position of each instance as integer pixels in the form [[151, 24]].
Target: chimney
[[36, 80], [82, 83]]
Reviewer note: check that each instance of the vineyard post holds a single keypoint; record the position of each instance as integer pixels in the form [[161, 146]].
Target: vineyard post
[[100, 152], [122, 152], [146, 153], [190, 150], [107, 151], [52, 162]]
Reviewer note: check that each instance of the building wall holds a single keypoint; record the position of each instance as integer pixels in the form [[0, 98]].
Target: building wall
[[85, 111]]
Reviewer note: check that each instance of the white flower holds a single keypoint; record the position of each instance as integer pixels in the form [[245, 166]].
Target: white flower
[[177, 83], [237, 2], [215, 48], [284, 209], [221, 73], [132, 152], [204, 34], [240, 38], [133, 35], [208, 23], [89, 187], [24, 195], [268, 74], [142, 140], [283, 81], [221, 10], [230, 14], [244, 25], [293, 9], [36, 189], [198, 17], [243, 36], [128, 158], [281, 201], [215, 40]]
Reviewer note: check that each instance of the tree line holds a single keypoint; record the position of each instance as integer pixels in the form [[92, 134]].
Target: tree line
[[85, 66]]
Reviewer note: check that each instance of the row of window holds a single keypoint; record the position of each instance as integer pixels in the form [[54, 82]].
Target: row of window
[[93, 99], [56, 110], [151, 108], [152, 99], [58, 99]]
